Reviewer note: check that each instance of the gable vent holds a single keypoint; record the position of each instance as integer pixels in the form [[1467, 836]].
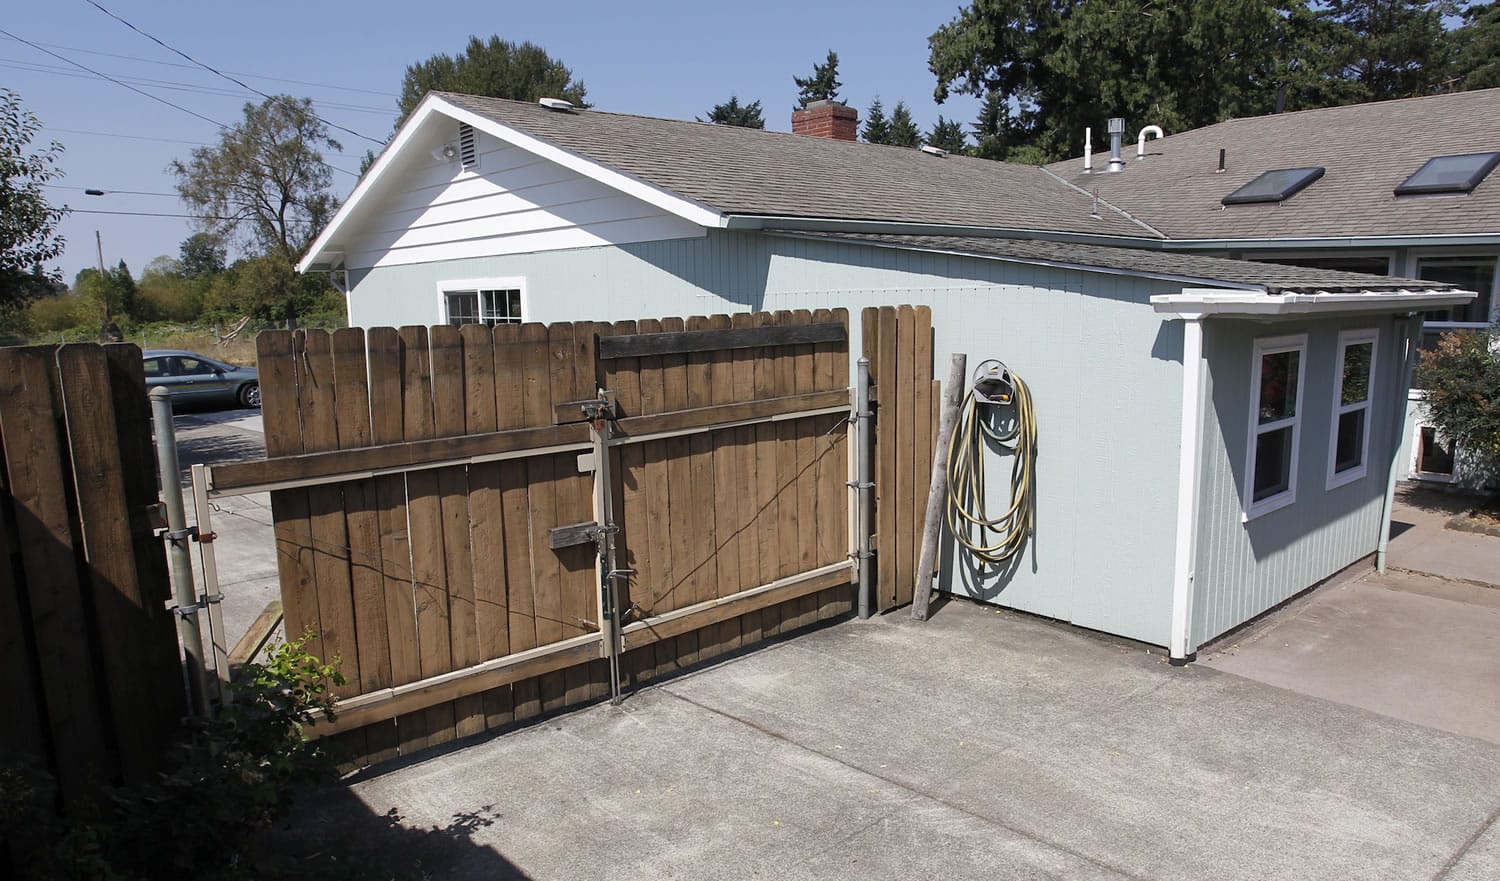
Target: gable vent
[[468, 146]]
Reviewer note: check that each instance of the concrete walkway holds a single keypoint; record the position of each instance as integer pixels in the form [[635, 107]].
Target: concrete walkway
[[1421, 541], [980, 745]]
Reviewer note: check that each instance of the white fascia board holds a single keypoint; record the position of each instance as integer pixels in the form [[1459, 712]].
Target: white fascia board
[[672, 203], [776, 223], [691, 211], [315, 253], [1209, 301]]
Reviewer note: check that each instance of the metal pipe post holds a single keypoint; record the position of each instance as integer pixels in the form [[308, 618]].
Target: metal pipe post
[[178, 555], [864, 480], [1411, 335], [604, 524]]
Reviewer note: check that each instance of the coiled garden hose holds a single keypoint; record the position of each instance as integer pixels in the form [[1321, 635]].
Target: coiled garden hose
[[992, 541]]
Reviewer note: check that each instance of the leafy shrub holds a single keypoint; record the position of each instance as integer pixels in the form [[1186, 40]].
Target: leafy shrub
[[229, 780], [52, 315], [1462, 380]]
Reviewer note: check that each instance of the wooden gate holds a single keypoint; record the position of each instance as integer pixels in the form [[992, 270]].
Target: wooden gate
[[88, 652], [430, 488]]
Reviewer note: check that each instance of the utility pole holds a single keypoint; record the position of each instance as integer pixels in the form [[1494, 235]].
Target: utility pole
[[99, 249]]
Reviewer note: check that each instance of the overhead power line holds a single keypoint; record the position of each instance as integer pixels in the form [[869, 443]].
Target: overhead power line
[[167, 214], [159, 99], [79, 131], [215, 71], [257, 76], [109, 192]]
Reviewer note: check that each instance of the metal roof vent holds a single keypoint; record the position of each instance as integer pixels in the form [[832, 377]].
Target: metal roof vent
[[933, 151], [468, 147], [557, 104]]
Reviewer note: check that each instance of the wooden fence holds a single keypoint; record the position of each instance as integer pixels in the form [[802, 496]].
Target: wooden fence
[[88, 652], [429, 487], [898, 343]]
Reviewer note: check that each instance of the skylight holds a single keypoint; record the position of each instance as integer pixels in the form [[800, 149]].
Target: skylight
[[1449, 174], [1274, 186]]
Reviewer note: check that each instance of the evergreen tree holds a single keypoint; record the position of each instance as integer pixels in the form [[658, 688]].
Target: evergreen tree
[[1390, 48], [823, 84], [904, 131], [732, 112], [877, 128], [991, 129], [494, 68], [948, 134], [1476, 48]]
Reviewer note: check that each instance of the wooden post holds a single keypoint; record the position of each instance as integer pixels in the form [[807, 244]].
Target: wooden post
[[937, 489]]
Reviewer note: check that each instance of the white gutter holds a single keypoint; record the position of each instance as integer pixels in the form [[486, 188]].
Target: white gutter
[[775, 222], [1400, 241], [1411, 330], [1208, 301], [1180, 643]]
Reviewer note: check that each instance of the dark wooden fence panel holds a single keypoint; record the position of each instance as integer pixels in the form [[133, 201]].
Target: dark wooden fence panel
[[88, 651], [419, 577]]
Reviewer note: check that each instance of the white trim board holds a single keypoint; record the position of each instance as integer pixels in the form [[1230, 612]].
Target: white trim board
[[1347, 339], [687, 209], [1263, 347], [1209, 301]]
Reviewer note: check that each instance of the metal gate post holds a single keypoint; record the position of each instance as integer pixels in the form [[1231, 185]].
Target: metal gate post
[[600, 413], [184, 603], [217, 638]]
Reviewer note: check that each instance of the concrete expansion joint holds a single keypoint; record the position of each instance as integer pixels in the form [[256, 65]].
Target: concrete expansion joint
[[1468, 845], [916, 793]]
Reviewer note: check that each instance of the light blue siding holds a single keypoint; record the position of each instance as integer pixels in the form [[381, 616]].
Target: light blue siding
[[1244, 568], [1104, 368]]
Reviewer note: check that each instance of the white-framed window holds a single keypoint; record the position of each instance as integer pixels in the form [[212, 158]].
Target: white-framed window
[[1353, 385], [487, 301], [1276, 376]]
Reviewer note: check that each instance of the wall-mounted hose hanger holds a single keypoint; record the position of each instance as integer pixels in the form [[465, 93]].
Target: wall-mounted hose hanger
[[996, 415]]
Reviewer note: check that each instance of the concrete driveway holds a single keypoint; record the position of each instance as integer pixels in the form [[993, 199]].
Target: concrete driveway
[[983, 744]]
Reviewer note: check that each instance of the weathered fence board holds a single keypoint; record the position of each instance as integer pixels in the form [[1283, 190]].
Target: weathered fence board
[[898, 343], [88, 651], [729, 465]]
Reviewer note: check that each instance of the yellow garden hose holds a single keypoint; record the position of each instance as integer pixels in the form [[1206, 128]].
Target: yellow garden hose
[[992, 541]]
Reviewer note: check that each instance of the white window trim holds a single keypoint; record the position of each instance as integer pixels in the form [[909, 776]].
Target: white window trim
[[1346, 339], [455, 285], [1263, 347]]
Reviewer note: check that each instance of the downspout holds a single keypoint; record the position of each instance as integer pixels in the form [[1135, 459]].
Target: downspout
[[1179, 644], [1408, 363]]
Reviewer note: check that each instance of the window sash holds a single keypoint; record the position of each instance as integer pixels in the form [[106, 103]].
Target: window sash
[[487, 306], [1260, 497], [1354, 464]]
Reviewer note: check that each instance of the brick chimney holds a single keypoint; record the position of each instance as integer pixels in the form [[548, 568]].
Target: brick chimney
[[827, 119]]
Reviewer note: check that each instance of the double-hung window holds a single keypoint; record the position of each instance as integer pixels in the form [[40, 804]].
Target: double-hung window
[[481, 301], [1275, 423], [1353, 377]]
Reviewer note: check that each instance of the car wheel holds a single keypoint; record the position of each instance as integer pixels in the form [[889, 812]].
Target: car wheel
[[250, 394]]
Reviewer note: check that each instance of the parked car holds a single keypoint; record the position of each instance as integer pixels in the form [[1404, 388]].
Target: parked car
[[197, 379]]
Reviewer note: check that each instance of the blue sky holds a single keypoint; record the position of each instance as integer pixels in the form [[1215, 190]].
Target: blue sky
[[671, 59]]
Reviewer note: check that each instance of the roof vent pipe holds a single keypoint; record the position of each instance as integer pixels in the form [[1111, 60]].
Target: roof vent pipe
[[1140, 144], [1088, 151], [1116, 133]]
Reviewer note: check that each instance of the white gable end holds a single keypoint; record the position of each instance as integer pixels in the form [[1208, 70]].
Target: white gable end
[[512, 201]]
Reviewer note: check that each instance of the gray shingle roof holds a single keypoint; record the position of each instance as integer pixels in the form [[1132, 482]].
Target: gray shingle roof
[[1368, 150], [1270, 277], [749, 171]]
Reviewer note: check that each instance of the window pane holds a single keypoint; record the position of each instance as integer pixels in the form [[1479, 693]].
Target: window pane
[[1349, 450], [501, 307], [463, 307], [1357, 373], [1278, 386], [1273, 463], [515, 306], [154, 367], [1469, 275], [193, 367]]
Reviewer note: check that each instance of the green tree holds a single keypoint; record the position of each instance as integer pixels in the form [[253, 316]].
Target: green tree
[[494, 68], [948, 134], [28, 222], [877, 128], [1462, 382], [904, 131], [1058, 66], [822, 85], [1391, 48], [1476, 47], [201, 254], [265, 182], [111, 295], [732, 112], [166, 293]]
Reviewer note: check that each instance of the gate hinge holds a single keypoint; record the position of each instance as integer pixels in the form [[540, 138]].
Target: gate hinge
[[204, 601]]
